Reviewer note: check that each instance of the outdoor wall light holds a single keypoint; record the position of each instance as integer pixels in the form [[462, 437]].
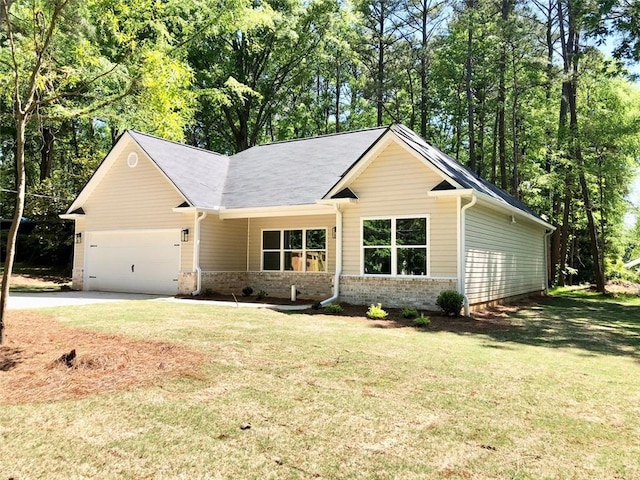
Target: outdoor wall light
[[79, 237], [185, 235], [333, 232]]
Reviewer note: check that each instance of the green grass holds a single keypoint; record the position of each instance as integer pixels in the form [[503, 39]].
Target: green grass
[[556, 396]]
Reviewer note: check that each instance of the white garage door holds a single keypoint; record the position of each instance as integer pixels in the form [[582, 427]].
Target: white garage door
[[144, 261]]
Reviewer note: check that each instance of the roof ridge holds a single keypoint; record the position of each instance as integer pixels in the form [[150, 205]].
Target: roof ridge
[[324, 135], [177, 143]]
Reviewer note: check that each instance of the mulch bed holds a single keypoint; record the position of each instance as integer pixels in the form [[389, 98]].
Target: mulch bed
[[489, 319], [30, 373]]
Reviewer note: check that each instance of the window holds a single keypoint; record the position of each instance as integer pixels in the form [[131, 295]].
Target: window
[[303, 250], [395, 246]]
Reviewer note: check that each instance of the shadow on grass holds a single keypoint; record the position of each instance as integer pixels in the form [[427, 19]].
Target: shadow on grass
[[595, 324]]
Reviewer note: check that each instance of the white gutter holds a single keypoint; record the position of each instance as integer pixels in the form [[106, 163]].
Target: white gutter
[[196, 253], [462, 246], [336, 281]]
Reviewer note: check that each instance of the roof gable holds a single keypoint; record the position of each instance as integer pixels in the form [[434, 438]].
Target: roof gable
[[197, 174]]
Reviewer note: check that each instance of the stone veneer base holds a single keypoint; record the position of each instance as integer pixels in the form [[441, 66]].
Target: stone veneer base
[[394, 292], [391, 292]]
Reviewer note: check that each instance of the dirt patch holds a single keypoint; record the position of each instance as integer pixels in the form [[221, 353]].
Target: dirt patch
[[104, 363]]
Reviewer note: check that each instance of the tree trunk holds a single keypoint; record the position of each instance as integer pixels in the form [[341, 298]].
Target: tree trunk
[[468, 73], [12, 236], [46, 152], [380, 67]]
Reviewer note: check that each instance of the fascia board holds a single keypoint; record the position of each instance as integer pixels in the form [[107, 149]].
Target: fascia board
[[284, 211]]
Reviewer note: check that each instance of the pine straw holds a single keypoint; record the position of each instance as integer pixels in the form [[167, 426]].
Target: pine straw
[[30, 373]]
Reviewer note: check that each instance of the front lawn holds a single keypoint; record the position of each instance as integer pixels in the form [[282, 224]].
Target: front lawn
[[553, 391]]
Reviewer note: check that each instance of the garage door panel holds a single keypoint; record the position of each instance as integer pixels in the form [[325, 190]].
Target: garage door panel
[[141, 262]]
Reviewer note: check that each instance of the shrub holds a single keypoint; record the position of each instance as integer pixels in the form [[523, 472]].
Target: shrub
[[409, 313], [333, 308], [422, 321], [262, 295], [376, 312], [207, 292], [450, 302], [247, 291]]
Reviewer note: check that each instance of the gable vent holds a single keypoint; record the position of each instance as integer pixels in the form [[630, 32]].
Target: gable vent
[[132, 159]]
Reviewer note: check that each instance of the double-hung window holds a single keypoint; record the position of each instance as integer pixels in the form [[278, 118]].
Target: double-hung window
[[395, 246], [301, 250]]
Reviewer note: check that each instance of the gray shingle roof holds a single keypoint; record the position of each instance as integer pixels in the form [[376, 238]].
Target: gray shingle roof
[[296, 172], [198, 174]]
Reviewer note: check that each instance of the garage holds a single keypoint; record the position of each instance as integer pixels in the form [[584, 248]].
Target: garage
[[141, 261]]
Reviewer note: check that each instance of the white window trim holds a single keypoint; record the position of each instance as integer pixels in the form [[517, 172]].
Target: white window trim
[[304, 248], [394, 247]]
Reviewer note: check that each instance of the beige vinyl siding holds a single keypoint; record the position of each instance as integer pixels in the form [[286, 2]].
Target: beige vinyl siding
[[223, 244], [137, 198], [503, 259], [396, 183], [78, 248], [257, 225]]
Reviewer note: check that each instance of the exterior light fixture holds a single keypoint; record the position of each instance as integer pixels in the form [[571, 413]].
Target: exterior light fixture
[[333, 232], [79, 237], [185, 235]]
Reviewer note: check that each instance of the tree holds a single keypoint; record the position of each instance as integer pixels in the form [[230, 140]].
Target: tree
[[52, 67]]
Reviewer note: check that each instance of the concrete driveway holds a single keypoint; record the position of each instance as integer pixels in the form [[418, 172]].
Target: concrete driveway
[[21, 301]]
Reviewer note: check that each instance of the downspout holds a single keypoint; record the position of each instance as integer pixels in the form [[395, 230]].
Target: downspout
[[462, 247], [547, 234], [196, 253], [336, 280]]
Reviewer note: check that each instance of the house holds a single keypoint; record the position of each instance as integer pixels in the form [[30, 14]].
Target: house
[[376, 215]]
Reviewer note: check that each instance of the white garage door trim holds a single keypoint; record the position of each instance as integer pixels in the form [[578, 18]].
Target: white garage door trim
[[133, 261]]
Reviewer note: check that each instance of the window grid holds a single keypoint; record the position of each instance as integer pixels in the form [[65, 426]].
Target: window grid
[[394, 247], [306, 254]]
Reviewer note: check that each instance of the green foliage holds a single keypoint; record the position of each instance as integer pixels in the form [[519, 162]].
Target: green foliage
[[207, 292], [261, 295], [422, 321], [409, 313], [247, 291], [450, 302], [333, 308], [375, 312]]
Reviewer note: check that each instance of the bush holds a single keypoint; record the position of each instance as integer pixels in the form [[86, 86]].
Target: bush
[[247, 291], [450, 302], [422, 321], [376, 312], [409, 313], [333, 308], [207, 292], [262, 295]]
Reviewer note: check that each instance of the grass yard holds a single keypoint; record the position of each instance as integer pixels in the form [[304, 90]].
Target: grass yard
[[551, 391]]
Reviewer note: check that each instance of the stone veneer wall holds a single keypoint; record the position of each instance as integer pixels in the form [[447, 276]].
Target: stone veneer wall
[[186, 282], [394, 292], [77, 279], [312, 286]]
